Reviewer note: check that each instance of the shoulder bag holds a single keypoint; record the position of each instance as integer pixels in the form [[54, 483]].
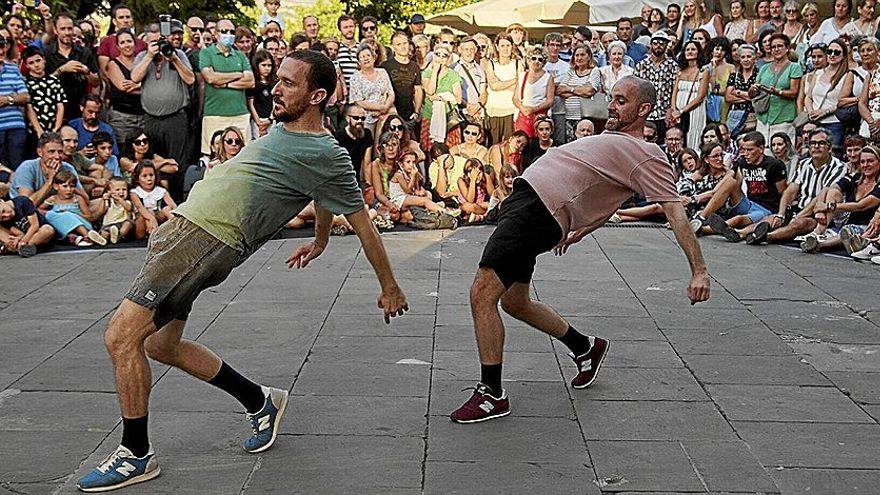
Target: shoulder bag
[[761, 101]]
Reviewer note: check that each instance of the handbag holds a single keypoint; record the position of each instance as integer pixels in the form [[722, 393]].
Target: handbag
[[713, 108], [761, 102], [484, 115], [454, 117], [850, 116], [595, 107]]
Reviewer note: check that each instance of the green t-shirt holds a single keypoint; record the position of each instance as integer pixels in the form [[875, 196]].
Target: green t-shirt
[[781, 110], [245, 201], [444, 85], [224, 102]]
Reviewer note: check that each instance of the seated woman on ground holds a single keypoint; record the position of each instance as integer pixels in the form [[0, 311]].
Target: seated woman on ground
[[508, 152], [394, 124], [443, 172], [383, 169], [637, 208], [471, 147], [505, 186], [152, 202], [849, 204], [473, 198], [141, 150], [698, 188], [70, 215]]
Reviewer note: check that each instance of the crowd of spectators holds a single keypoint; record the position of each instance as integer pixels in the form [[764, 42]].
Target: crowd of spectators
[[767, 119]]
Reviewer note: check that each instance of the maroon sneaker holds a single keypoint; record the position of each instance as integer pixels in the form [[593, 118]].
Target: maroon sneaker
[[588, 364], [481, 406]]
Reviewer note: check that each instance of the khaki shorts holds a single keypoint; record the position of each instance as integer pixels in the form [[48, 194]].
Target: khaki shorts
[[182, 261]]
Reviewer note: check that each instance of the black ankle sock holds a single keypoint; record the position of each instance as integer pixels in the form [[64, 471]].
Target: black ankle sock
[[134, 436], [247, 392], [576, 342], [490, 376]]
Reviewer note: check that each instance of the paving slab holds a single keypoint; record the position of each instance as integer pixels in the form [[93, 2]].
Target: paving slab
[[642, 384], [754, 370], [864, 388], [526, 478], [745, 340], [355, 416], [786, 403], [652, 420], [728, 466], [527, 366], [373, 379], [826, 481], [826, 356], [638, 465], [812, 445], [617, 327]]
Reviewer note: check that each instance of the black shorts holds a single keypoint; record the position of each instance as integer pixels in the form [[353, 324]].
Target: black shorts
[[525, 229], [182, 261]]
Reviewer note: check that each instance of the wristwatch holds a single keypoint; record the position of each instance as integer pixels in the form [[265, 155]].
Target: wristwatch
[[10, 100]]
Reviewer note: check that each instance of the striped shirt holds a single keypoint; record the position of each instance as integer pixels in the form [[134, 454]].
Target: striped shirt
[[11, 82], [812, 181], [348, 63]]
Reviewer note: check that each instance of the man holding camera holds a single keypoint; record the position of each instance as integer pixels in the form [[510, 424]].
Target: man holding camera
[[165, 73]]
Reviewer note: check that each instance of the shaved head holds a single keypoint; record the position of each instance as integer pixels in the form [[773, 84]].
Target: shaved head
[[632, 99], [643, 90]]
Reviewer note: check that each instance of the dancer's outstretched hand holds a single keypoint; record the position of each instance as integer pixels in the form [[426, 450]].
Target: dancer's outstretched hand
[[303, 254], [573, 237], [698, 289], [393, 303]]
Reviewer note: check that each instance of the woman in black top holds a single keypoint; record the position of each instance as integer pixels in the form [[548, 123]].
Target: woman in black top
[[741, 115], [126, 114]]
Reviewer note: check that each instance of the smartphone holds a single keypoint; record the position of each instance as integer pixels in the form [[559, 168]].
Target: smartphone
[[36, 3]]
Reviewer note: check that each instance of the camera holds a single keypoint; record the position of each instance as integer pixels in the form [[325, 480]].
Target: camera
[[165, 47]]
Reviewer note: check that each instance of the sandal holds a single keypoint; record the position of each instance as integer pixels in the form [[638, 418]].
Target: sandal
[[97, 238], [338, 230], [79, 241]]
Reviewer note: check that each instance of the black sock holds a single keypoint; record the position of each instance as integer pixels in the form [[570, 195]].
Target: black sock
[[134, 436], [576, 342], [490, 376], [247, 392]]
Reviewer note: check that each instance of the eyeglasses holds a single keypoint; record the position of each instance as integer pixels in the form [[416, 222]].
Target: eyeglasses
[[232, 141], [537, 59], [471, 133], [818, 143], [357, 118], [369, 28], [443, 55], [791, 11], [226, 31], [398, 127], [482, 47], [835, 52], [390, 143], [196, 29], [141, 141]]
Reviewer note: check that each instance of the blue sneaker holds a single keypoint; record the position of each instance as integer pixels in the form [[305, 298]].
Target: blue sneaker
[[265, 422], [119, 469]]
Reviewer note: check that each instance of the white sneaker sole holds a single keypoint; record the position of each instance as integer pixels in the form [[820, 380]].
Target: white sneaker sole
[[281, 410], [137, 479]]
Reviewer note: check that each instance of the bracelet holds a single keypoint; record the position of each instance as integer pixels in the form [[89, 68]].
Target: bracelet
[[781, 217]]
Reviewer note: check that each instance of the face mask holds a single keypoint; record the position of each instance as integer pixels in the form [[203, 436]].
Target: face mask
[[227, 40]]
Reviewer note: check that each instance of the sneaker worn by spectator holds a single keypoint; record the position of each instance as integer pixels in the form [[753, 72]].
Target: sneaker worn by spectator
[[720, 226], [759, 235], [852, 242], [810, 244], [867, 253]]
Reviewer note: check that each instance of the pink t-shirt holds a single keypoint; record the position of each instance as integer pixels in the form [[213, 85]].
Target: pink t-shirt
[[584, 182]]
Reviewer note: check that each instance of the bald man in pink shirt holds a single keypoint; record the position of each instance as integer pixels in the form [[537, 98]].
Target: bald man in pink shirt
[[568, 193]]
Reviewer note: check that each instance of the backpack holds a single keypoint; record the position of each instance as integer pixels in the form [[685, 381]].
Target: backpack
[[426, 220]]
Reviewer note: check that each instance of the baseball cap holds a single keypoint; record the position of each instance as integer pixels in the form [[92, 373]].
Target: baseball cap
[[176, 26], [417, 19], [660, 35]]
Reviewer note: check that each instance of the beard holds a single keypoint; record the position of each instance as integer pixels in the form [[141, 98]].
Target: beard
[[292, 112], [357, 131], [613, 124]]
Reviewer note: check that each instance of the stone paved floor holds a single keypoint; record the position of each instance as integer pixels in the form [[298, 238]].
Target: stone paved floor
[[771, 387]]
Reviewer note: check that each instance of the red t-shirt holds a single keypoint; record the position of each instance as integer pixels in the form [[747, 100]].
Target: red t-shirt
[[583, 182], [108, 47]]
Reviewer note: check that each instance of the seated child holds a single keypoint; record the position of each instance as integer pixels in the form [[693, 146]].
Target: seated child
[[105, 165], [22, 227], [472, 194], [152, 203], [117, 220], [406, 189], [70, 215]]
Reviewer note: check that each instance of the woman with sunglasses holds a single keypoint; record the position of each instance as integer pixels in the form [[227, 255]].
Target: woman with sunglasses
[[442, 87], [822, 92], [139, 149], [738, 25], [485, 48], [793, 24], [231, 143], [394, 124], [502, 71], [533, 95], [470, 147]]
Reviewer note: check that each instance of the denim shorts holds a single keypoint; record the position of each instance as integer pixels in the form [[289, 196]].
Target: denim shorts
[[182, 261], [748, 207]]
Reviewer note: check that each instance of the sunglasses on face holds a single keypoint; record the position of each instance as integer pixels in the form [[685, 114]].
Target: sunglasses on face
[[471, 133], [232, 141], [226, 31], [395, 127], [482, 47], [357, 118], [141, 141], [791, 11], [369, 28], [834, 52], [196, 29], [537, 59], [443, 55]]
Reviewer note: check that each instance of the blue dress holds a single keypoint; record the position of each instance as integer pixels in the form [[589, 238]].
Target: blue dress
[[65, 218]]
